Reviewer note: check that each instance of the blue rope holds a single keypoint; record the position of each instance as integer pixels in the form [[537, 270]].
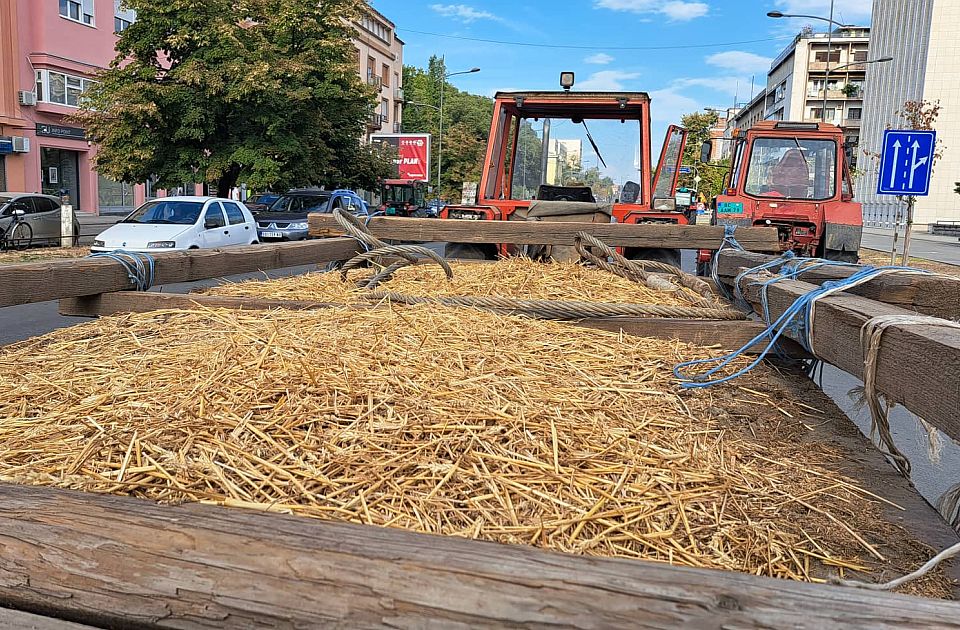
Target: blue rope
[[729, 242], [140, 267], [794, 321]]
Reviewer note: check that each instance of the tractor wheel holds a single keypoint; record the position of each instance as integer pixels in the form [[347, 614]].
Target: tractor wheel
[[668, 256], [470, 251], [21, 236], [842, 255]]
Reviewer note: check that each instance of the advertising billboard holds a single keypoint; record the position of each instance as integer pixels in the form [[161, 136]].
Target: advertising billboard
[[413, 154]]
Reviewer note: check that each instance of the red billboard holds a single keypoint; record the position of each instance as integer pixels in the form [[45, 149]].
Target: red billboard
[[413, 154]]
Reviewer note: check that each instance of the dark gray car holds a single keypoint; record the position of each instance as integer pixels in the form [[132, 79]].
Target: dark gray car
[[40, 212]]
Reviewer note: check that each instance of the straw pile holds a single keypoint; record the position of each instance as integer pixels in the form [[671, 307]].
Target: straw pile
[[476, 425], [518, 278]]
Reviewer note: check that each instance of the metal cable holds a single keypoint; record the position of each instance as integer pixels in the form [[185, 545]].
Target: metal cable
[[550, 309]]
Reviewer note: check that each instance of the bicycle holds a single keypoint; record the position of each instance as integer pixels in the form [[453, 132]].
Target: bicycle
[[18, 234]]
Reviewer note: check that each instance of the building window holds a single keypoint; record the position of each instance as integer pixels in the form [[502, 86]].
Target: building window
[[855, 113], [62, 89], [376, 28], [834, 56], [816, 113], [122, 18], [77, 10], [385, 110], [859, 56], [385, 75]]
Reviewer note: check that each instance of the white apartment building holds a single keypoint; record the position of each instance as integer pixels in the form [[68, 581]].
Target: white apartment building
[[380, 63], [922, 38], [812, 64]]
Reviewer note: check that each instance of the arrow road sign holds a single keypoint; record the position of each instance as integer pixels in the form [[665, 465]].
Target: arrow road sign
[[906, 162]]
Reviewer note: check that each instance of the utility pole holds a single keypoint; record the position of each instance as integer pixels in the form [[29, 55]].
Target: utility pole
[[826, 76]]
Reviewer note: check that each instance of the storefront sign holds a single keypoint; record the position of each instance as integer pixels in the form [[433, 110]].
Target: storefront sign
[[6, 144], [413, 154], [58, 131]]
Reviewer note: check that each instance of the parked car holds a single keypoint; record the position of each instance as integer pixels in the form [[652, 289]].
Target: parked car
[[286, 219], [179, 223], [40, 212], [259, 203]]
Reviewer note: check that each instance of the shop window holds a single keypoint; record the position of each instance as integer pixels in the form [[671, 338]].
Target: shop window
[[78, 11], [114, 195]]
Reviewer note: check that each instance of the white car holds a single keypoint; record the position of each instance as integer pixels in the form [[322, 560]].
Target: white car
[[179, 223]]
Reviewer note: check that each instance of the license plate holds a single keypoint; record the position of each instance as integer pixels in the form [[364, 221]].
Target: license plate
[[271, 235]]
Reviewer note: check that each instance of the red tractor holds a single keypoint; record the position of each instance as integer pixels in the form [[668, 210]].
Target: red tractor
[[794, 176], [402, 197], [530, 176]]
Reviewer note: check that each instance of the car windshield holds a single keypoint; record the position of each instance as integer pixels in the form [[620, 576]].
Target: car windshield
[[792, 168], [164, 211], [301, 203]]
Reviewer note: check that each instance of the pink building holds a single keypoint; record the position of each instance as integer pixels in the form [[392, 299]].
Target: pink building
[[50, 51]]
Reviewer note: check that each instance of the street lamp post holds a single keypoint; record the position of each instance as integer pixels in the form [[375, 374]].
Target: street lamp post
[[443, 88], [830, 20]]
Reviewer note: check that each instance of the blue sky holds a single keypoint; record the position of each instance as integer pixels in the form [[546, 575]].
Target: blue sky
[[742, 42]]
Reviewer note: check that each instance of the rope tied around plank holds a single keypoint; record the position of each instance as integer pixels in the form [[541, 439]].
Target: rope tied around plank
[[870, 336], [561, 310], [375, 249], [140, 267], [797, 320], [729, 242], [637, 271]]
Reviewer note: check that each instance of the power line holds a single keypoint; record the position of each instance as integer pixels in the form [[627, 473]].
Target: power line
[[608, 47]]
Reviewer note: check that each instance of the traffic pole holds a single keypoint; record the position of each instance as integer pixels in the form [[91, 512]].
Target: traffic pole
[[905, 261]]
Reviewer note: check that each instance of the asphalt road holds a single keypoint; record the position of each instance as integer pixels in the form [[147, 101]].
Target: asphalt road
[[937, 248]]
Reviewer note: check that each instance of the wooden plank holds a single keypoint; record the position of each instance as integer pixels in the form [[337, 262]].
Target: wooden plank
[[551, 232], [39, 282], [934, 295], [729, 335], [918, 366], [122, 562], [16, 620]]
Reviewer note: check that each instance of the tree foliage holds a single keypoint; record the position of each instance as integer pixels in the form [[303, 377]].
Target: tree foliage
[[222, 91], [466, 124], [698, 125]]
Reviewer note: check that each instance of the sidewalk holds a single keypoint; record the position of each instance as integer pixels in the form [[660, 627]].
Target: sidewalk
[[943, 249]]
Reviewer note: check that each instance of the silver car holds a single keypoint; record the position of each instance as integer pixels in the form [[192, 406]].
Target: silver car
[[40, 212]]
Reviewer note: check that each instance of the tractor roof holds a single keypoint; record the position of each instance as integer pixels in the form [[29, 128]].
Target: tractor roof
[[589, 105]]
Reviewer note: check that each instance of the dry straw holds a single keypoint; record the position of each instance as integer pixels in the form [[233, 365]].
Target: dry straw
[[436, 420]]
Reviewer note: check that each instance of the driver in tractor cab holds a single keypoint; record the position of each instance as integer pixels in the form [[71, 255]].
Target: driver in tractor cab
[[791, 176]]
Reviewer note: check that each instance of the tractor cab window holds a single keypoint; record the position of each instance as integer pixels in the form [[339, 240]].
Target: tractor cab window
[[398, 194], [792, 168]]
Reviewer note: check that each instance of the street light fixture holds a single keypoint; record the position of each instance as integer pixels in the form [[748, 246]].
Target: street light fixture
[[829, 20], [443, 88]]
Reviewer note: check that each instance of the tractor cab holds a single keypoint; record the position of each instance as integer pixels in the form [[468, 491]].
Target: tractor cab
[[574, 156], [402, 197], [793, 176]]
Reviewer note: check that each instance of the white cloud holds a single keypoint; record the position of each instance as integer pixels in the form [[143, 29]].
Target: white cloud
[[599, 59], [730, 85], [668, 105], [846, 11], [683, 11], [464, 13], [676, 10], [607, 81], [740, 61]]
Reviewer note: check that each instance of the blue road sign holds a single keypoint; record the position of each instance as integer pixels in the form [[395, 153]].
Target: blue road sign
[[906, 162], [686, 170]]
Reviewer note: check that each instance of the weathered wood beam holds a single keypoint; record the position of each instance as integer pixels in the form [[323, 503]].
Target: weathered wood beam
[[934, 295], [729, 335], [551, 232], [121, 562], [39, 282], [918, 366], [16, 620]]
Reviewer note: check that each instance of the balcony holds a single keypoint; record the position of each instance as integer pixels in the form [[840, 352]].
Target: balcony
[[397, 127], [851, 122], [398, 94], [375, 81], [376, 120]]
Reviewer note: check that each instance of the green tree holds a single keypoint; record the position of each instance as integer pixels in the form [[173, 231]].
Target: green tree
[[466, 124], [698, 125], [222, 91]]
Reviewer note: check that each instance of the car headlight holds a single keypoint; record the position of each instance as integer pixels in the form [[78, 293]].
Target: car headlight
[[299, 226], [161, 244], [99, 243]]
